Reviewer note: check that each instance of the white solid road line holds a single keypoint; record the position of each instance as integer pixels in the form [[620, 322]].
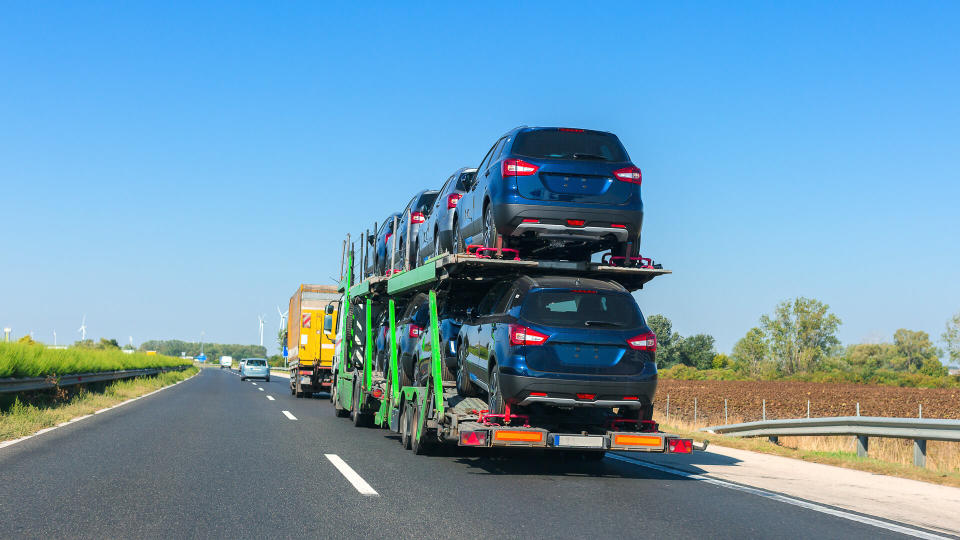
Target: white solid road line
[[783, 498], [288, 415], [362, 486], [270, 398]]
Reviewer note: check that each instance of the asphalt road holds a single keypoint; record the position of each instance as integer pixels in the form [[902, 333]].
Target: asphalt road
[[215, 457]]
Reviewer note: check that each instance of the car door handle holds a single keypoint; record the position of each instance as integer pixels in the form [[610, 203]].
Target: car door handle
[[487, 173]]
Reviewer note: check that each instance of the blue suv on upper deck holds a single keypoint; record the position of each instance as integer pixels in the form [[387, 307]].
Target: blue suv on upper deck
[[553, 193]]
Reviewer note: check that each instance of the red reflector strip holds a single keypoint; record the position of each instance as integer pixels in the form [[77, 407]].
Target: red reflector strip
[[538, 394], [583, 291], [631, 398], [618, 225], [575, 222], [681, 446], [528, 220], [473, 438], [586, 396]]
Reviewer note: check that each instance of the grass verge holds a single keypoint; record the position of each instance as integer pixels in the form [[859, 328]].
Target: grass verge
[[24, 360], [827, 454], [29, 412]]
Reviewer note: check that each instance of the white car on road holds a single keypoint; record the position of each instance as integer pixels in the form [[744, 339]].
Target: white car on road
[[226, 362]]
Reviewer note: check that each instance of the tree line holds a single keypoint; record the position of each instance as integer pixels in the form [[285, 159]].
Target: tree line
[[800, 338], [175, 347]]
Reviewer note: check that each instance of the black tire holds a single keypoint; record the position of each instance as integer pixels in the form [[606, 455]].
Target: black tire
[[293, 390], [242, 378], [359, 419], [403, 377], [405, 427], [465, 386], [419, 445], [489, 228], [267, 379], [458, 245], [495, 397], [338, 411]]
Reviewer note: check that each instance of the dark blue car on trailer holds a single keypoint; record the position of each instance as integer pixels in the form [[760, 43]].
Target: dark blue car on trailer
[[553, 193]]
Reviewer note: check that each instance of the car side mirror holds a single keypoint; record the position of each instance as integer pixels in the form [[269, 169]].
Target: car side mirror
[[329, 309]]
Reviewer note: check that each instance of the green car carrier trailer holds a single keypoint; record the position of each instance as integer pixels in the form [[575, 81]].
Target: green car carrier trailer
[[432, 412]]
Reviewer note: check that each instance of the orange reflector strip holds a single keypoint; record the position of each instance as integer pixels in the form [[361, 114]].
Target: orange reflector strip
[[525, 436], [637, 440]]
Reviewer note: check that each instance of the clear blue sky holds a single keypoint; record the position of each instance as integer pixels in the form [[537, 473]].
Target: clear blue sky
[[173, 168]]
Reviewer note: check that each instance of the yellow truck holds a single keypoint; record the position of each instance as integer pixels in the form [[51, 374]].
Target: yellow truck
[[311, 333]]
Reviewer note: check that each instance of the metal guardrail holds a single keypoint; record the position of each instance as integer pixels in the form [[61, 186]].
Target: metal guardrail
[[52, 381], [920, 430]]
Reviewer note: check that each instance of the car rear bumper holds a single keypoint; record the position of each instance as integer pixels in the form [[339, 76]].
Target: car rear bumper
[[552, 223], [563, 392]]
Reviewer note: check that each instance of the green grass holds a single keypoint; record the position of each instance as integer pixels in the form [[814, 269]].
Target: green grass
[[33, 411], [22, 360]]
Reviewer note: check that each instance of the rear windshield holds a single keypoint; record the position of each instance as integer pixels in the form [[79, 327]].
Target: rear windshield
[[426, 200], [582, 309], [256, 362], [464, 178], [556, 144]]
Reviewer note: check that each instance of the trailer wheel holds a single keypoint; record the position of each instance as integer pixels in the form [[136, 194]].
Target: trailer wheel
[[338, 410], [405, 427], [359, 419], [419, 445]]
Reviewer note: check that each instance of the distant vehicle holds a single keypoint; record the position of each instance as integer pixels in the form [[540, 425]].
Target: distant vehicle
[[254, 368], [436, 235], [559, 342], [553, 193], [311, 332], [226, 362]]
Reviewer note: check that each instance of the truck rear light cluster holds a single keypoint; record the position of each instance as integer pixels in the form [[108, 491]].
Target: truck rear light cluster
[[453, 199], [473, 438], [517, 167], [417, 217], [305, 372], [415, 331], [680, 446], [643, 342], [629, 174], [521, 335]]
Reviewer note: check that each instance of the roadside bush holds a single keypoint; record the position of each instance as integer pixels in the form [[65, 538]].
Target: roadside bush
[[23, 360]]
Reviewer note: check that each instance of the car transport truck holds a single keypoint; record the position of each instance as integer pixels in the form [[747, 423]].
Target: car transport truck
[[310, 338], [431, 411]]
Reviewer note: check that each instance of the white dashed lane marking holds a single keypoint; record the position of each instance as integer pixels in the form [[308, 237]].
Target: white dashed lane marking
[[288, 415], [351, 475]]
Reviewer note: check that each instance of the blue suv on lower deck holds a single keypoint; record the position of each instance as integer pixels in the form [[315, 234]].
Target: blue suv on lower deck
[[560, 342], [553, 193]]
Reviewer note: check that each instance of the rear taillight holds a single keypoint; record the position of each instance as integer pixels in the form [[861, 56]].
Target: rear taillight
[[415, 331], [452, 200], [521, 335], [643, 342], [386, 239], [417, 217], [517, 167], [618, 225], [571, 130], [629, 174]]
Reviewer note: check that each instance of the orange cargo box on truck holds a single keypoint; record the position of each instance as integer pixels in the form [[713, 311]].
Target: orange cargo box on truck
[[311, 331]]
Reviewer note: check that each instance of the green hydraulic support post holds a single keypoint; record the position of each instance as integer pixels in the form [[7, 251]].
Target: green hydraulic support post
[[368, 350], [435, 353], [346, 329], [394, 377]]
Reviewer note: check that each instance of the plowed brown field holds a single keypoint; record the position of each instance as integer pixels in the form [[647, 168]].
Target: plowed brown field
[[789, 400]]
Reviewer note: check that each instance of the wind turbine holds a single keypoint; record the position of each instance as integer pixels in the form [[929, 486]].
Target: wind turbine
[[54, 338], [83, 328], [260, 318], [283, 316]]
